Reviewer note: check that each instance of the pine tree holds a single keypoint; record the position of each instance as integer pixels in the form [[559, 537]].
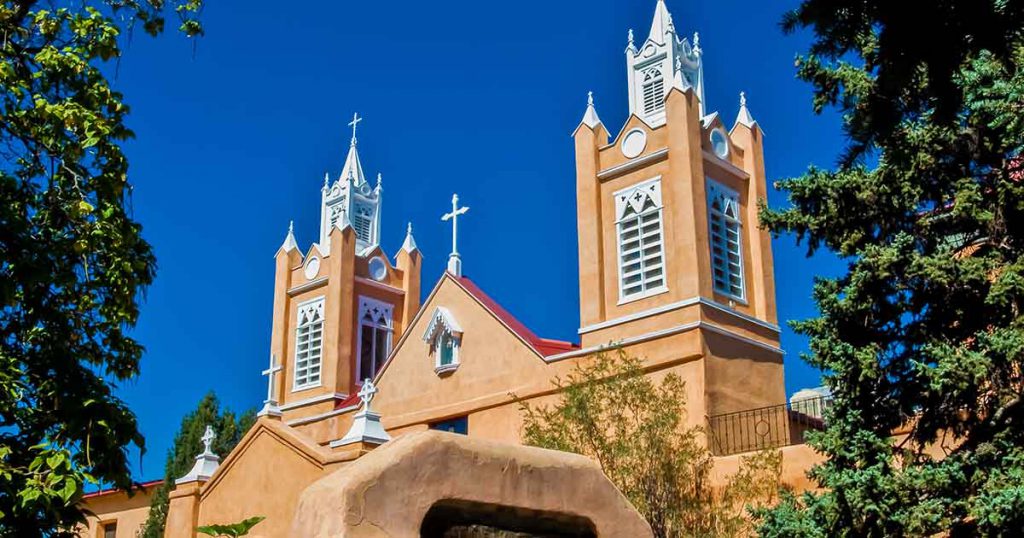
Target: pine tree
[[924, 332], [187, 444]]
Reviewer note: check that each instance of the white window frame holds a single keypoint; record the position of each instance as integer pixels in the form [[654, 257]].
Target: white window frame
[[626, 199], [387, 311], [443, 326], [312, 306], [657, 91], [362, 213], [717, 190]]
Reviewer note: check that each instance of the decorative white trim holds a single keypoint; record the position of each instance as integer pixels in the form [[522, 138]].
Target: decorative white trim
[[312, 284], [639, 315], [443, 325], [447, 368], [725, 308], [643, 295], [634, 199], [441, 317], [633, 164], [730, 200], [314, 400], [660, 334]]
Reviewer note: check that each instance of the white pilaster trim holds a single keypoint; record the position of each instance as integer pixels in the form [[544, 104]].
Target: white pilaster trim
[[633, 164]]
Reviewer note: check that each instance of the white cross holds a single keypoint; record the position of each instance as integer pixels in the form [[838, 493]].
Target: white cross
[[354, 123], [208, 437], [269, 372], [454, 264], [366, 393]]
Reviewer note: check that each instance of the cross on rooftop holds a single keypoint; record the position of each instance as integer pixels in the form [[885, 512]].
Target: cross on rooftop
[[454, 261], [208, 437], [269, 372], [354, 123]]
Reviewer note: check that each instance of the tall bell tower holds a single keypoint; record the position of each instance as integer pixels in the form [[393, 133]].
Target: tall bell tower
[[669, 242], [340, 307]]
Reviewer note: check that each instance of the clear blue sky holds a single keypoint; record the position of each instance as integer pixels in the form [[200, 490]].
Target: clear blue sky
[[461, 96]]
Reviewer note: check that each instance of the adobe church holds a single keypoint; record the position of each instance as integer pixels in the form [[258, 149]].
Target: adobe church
[[673, 268]]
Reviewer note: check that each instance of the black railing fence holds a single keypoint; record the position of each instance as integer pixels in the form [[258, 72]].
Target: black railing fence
[[766, 427]]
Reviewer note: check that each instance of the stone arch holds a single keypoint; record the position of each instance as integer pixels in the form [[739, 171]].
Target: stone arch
[[424, 481]]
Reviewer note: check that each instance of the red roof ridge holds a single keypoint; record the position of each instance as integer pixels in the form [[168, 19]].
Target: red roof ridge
[[544, 346]]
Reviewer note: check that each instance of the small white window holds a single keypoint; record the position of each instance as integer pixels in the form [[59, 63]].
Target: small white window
[[309, 338], [653, 91], [375, 329], [640, 239], [726, 240], [444, 336]]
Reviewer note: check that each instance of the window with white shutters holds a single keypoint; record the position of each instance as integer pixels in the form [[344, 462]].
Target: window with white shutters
[[309, 338], [653, 91], [726, 240], [640, 239], [363, 222]]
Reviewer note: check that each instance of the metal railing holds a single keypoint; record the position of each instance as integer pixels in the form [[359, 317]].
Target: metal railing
[[766, 427]]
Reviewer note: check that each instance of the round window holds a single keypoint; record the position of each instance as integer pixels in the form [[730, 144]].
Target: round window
[[720, 143], [378, 269], [312, 268]]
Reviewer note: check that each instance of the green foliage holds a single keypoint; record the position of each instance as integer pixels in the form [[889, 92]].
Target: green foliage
[[188, 443], [924, 332], [241, 528], [635, 429], [72, 262]]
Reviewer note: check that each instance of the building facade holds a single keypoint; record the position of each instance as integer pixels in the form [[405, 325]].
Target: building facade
[[673, 269]]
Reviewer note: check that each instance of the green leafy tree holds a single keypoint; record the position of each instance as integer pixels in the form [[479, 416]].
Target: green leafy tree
[[188, 443], [924, 331], [241, 528], [72, 262], [611, 411]]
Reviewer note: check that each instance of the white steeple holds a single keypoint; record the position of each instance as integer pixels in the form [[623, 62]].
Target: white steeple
[[590, 118], [351, 200], [410, 244], [653, 68], [744, 117]]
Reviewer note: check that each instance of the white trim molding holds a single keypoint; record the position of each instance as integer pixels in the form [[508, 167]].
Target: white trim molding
[[312, 284], [676, 306], [442, 330], [314, 400], [633, 164], [316, 418]]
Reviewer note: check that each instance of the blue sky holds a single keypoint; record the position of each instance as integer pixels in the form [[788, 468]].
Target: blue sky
[[478, 98]]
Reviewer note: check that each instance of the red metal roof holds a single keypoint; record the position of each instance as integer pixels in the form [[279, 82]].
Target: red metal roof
[[109, 491], [544, 346]]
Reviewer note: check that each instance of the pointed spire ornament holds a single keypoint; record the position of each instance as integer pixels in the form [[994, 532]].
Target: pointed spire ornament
[[353, 169], [379, 179], [744, 117], [206, 463], [631, 45], [289, 240], [662, 23], [590, 118], [366, 426], [410, 244], [696, 44], [327, 179]]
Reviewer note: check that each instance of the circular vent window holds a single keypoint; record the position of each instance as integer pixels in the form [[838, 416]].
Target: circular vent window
[[378, 269], [720, 143]]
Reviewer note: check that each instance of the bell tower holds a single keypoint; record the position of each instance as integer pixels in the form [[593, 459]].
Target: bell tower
[[340, 307], [669, 242]]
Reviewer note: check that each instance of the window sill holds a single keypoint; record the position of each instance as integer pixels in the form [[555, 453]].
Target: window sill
[[729, 300], [307, 387], [644, 295], [446, 369]]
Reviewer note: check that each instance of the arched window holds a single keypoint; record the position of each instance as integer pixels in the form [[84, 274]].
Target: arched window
[[640, 238], [375, 328], [309, 337], [363, 222], [726, 239], [653, 91]]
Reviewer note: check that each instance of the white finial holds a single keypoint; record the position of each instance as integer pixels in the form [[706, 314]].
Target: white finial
[[408, 230], [590, 118], [379, 178], [291, 227], [454, 260], [208, 437], [630, 35], [590, 98], [354, 123], [744, 117], [743, 98], [679, 63], [410, 244], [289, 239], [696, 43], [270, 407], [327, 179], [366, 393]]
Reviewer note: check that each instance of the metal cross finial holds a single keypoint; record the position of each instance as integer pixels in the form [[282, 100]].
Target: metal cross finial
[[454, 262], [208, 437], [355, 123], [366, 393]]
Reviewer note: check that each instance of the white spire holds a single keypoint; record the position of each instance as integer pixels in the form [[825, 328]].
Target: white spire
[[744, 117], [661, 24], [410, 244], [353, 169], [590, 118], [289, 240]]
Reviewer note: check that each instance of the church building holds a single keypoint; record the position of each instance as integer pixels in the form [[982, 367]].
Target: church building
[[673, 269]]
